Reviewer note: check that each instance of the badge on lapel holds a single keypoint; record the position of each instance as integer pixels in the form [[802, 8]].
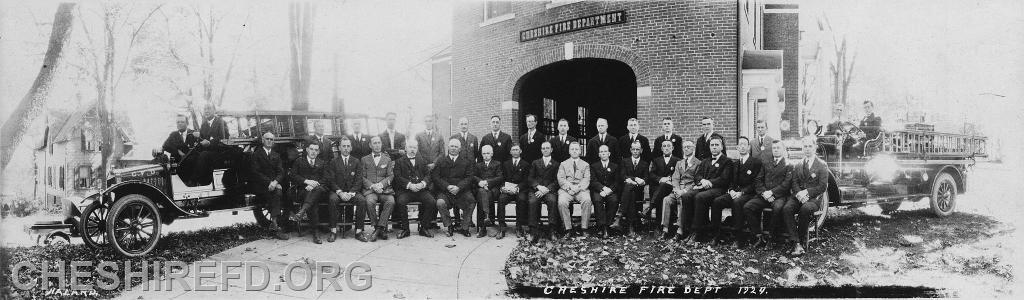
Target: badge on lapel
[[716, 165], [813, 175], [748, 172], [671, 168], [531, 140], [353, 174], [762, 148], [499, 144], [609, 169]]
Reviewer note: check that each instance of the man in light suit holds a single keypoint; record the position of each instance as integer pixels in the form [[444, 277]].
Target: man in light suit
[[471, 145], [604, 189], [453, 184], [345, 181], [489, 177], [772, 187], [601, 139], [544, 187], [431, 144], [682, 182], [380, 171], [761, 143], [809, 180], [530, 141], [393, 141], [573, 182], [501, 142], [360, 141]]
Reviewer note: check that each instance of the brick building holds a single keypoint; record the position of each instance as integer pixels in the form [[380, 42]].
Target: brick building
[[735, 61]]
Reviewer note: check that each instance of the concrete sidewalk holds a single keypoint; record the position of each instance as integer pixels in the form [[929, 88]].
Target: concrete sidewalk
[[410, 268]]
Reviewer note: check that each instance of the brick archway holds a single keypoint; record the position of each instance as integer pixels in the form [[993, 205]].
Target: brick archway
[[524, 65]]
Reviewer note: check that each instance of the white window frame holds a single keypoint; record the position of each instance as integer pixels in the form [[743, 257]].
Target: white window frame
[[494, 19], [557, 3]]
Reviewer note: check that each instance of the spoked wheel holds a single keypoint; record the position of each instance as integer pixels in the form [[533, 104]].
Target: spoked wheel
[[93, 225], [133, 225], [262, 215], [943, 199]]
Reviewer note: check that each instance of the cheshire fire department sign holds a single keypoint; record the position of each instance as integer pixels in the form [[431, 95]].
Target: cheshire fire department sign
[[587, 22]]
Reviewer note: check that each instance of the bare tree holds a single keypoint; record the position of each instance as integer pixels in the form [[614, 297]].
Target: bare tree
[[841, 69], [300, 23], [13, 130]]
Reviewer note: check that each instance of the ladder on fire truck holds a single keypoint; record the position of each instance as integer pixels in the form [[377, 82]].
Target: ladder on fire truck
[[918, 144]]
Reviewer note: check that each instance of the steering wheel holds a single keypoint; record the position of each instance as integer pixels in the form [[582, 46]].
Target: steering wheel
[[851, 130]]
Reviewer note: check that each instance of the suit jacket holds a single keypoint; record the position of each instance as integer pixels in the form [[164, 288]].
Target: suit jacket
[[406, 173], [470, 146], [685, 173], [531, 145], [345, 175], [871, 125], [601, 177], [719, 172], [302, 171], [640, 170], [544, 175], [458, 173], [595, 143], [173, 143], [745, 175], [814, 180], [214, 131], [625, 143], [492, 173], [677, 146], [432, 146], [703, 146], [502, 145], [265, 167], [381, 172], [660, 169], [387, 147], [326, 147], [573, 173], [761, 150], [560, 150], [518, 174], [774, 177], [361, 146]]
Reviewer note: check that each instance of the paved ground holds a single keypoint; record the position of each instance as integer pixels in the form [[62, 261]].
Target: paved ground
[[411, 268]]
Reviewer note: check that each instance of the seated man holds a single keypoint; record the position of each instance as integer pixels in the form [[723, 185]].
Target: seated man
[[634, 173], [871, 126], [377, 189], [772, 188], [411, 178], [809, 180], [210, 134], [660, 178], [604, 188], [740, 191], [266, 174], [489, 178], [517, 188], [453, 179], [713, 177], [345, 177], [573, 181], [682, 182], [544, 186], [307, 174], [178, 144]]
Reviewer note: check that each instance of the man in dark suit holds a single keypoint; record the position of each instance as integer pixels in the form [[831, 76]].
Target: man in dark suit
[[431, 143], [379, 170], [453, 184], [530, 141], [809, 180], [682, 182], [772, 187], [393, 141], [326, 145], [660, 178], [604, 189], [626, 141], [667, 134], [544, 187], [471, 145], [704, 141], [516, 187], [308, 175], [870, 125], [180, 141], [560, 142], [211, 133], [714, 174], [500, 141], [345, 184], [266, 174], [601, 139], [489, 177], [741, 190], [634, 178], [360, 141], [761, 143], [213, 129], [411, 184]]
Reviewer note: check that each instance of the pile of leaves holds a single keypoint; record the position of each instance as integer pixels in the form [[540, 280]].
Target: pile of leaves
[[180, 246]]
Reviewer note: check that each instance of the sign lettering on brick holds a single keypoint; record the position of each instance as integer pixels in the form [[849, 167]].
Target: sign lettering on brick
[[594, 21]]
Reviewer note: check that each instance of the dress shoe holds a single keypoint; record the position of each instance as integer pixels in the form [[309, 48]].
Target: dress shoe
[[604, 233], [798, 250], [667, 235], [482, 232], [316, 238], [632, 231], [450, 232], [297, 217], [736, 245], [616, 225], [679, 237], [425, 232], [332, 236], [403, 233], [464, 232], [361, 236], [691, 239], [382, 233], [521, 231], [500, 235]]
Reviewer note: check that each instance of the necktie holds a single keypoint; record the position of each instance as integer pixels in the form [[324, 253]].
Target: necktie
[[563, 139], [602, 138], [311, 162], [184, 137], [574, 168], [413, 161], [515, 162]]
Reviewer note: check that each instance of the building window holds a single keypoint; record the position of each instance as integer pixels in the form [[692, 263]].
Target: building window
[[548, 122], [497, 11], [557, 3], [49, 176], [581, 121], [88, 140], [84, 174], [61, 182]]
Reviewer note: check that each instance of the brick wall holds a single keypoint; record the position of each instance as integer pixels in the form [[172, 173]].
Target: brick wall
[[781, 32]]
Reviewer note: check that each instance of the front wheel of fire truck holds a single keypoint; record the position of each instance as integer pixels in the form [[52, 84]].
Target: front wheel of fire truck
[[943, 199], [133, 225], [93, 226], [262, 215]]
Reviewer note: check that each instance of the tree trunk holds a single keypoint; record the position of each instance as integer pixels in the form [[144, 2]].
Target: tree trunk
[[300, 23], [13, 130]]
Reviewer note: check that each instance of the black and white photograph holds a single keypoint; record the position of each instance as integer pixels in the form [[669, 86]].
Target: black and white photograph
[[471, 149]]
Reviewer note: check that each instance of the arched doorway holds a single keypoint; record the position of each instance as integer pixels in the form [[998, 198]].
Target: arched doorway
[[580, 91]]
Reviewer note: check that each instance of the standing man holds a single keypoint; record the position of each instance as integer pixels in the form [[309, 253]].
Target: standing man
[[308, 174], [667, 128], [544, 187], [601, 139], [741, 190], [604, 189], [809, 180], [772, 187], [626, 141], [431, 144], [326, 146], [453, 184], [411, 177], [761, 144], [501, 142], [377, 189], [713, 178], [634, 178], [530, 141], [560, 142], [516, 187], [266, 175], [471, 143], [360, 141], [682, 182], [393, 141], [704, 141], [489, 177], [345, 179], [573, 182], [660, 178]]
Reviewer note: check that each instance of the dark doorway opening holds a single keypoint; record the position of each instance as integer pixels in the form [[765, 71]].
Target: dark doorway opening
[[580, 91]]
